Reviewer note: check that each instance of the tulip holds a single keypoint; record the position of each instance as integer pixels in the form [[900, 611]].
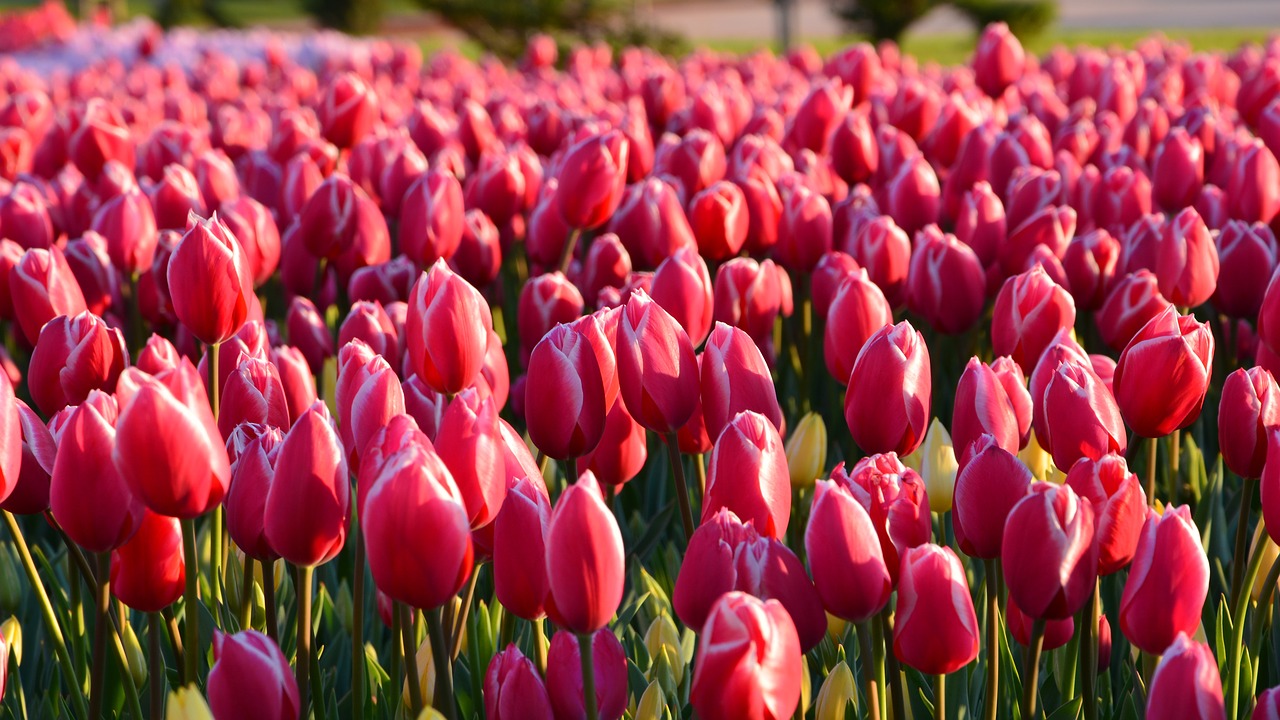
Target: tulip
[[1186, 683], [592, 177], [1177, 170], [1248, 256], [1168, 581], [565, 681], [564, 401], [844, 554], [1187, 267], [748, 474], [253, 393], [719, 219], [585, 568], [984, 405], [987, 488], [545, 301], [129, 226], [73, 356], [806, 451], [24, 215], [981, 223], [1049, 552], [255, 228], [100, 137], [210, 281], [1056, 632], [935, 628], [251, 677], [748, 663], [657, 370], [891, 375], [914, 195], [305, 517], [1268, 705], [884, 251], [1090, 263], [413, 493], [1119, 507], [513, 689], [895, 497], [608, 264], [935, 461], [953, 306], [830, 272], [1252, 192], [622, 451], [858, 311], [431, 218], [651, 223], [727, 554], [42, 287], [1133, 302], [216, 176], [370, 323], [148, 572], [519, 555], [1250, 406], [804, 230], [469, 441], [735, 378], [26, 488], [1029, 311], [682, 287], [998, 60], [1081, 416], [251, 476], [1175, 350], [367, 396], [186, 703], [447, 330], [308, 333], [296, 379]]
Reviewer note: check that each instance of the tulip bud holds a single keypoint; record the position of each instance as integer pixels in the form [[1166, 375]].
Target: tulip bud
[[987, 402], [1119, 507], [658, 395], [981, 223], [1177, 170], [1250, 406], [186, 703], [210, 282], [844, 554], [447, 330], [512, 688], [748, 474], [1175, 351], [305, 517], [519, 565], [73, 356], [895, 497], [998, 60], [1090, 264], [564, 403], [891, 375], [1170, 564], [935, 629], [1187, 266], [1081, 416], [592, 177], [748, 663], [950, 306], [1186, 683], [682, 287], [935, 460], [1254, 189], [1049, 553], [251, 677], [804, 233], [987, 488], [148, 572], [719, 219], [858, 311], [651, 223], [129, 226], [806, 451], [564, 676], [42, 287], [585, 567], [1029, 312], [735, 378]]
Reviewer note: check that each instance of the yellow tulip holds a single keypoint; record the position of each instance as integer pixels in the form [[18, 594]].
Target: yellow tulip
[[186, 703], [935, 460], [663, 635], [837, 693], [806, 686], [426, 676], [133, 652], [807, 451], [1038, 461], [11, 632], [836, 627], [651, 703], [430, 713]]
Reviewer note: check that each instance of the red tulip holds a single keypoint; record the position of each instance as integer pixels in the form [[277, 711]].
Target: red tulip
[[253, 225], [43, 287], [858, 311], [469, 441], [305, 518], [367, 396], [87, 494], [682, 287], [1254, 189], [348, 110], [24, 215], [564, 400], [519, 550], [592, 177], [1175, 351], [748, 474], [622, 451], [447, 330], [804, 233], [657, 372], [887, 405], [148, 572], [251, 677], [989, 402], [1186, 683], [100, 136], [1250, 406], [895, 498], [253, 393], [935, 629], [981, 223], [1134, 301], [1056, 632], [73, 356], [1090, 263], [990, 483], [27, 487], [251, 474], [564, 676], [309, 333], [1248, 255], [719, 219], [168, 448], [748, 663], [1268, 706], [209, 281], [651, 223], [1177, 170], [998, 60], [1081, 416], [735, 377], [1187, 268], [1119, 507], [416, 532], [952, 305], [296, 379], [431, 218], [513, 689], [828, 275], [854, 152], [1049, 552], [1168, 581], [1029, 312], [844, 554], [585, 568], [370, 323], [607, 265]]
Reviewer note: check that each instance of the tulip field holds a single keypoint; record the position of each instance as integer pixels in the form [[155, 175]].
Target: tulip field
[[342, 382]]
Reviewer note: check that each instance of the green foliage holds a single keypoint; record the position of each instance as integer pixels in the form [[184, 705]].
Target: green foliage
[[890, 19], [359, 17], [1025, 18]]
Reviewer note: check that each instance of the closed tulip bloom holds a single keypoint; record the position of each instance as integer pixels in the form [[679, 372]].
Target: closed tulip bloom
[[309, 501], [25, 217], [607, 265], [601, 331], [657, 370], [585, 568], [431, 218], [129, 226], [984, 405], [1268, 705], [992, 481], [26, 488], [253, 393], [593, 175], [1186, 683], [1131, 303], [1253, 192], [1119, 507], [519, 550], [564, 676], [513, 690], [253, 224], [168, 448], [1177, 170], [622, 451], [828, 275], [1177, 353], [651, 222], [251, 476], [100, 137], [1187, 266], [251, 340], [952, 305], [896, 499], [887, 405], [719, 218], [748, 474], [1029, 312], [42, 287], [210, 282], [981, 223], [1248, 255], [1168, 581], [148, 573], [844, 555], [1081, 416], [87, 495], [1090, 263], [447, 330], [1056, 632], [735, 378], [748, 663], [1049, 552], [682, 287], [804, 232], [370, 323], [935, 629], [564, 397], [416, 532], [309, 333], [251, 677], [73, 356], [998, 60], [296, 379], [469, 441], [1250, 406], [367, 395], [858, 311]]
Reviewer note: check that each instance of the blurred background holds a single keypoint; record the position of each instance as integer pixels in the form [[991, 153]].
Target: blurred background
[[937, 30]]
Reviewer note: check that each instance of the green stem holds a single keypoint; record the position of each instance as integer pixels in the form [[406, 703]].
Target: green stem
[[1031, 674], [993, 641], [409, 641], [878, 647], [1089, 653], [217, 578], [682, 491], [507, 631], [940, 697], [1151, 470], [246, 593], [397, 647], [1175, 460], [175, 637], [540, 645], [891, 662], [700, 468], [155, 665], [269, 600], [1242, 536], [304, 577], [868, 671], [566, 256], [191, 609], [444, 666], [215, 392], [358, 692], [588, 676], [460, 622], [102, 604], [1237, 626], [1070, 662]]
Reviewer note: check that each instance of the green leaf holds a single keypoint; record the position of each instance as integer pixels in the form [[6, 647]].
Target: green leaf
[[1069, 710]]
